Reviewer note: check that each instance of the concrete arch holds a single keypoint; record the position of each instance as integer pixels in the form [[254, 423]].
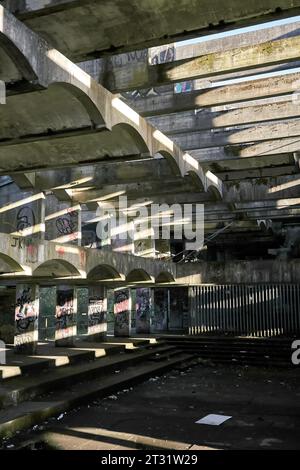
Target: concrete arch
[[40, 115], [213, 185], [9, 264], [164, 277], [199, 182], [92, 110], [130, 135], [139, 276], [105, 272], [56, 268], [214, 192], [14, 65], [49, 66]]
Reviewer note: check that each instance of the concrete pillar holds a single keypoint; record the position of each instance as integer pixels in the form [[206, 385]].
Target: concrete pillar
[[122, 311], [65, 315], [82, 294], [97, 312], [7, 314], [178, 319], [144, 304], [26, 319], [161, 310]]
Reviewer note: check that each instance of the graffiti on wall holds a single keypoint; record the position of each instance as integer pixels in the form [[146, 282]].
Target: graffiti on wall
[[25, 218], [143, 310], [161, 309], [97, 312], [30, 245], [26, 316], [65, 313], [122, 312]]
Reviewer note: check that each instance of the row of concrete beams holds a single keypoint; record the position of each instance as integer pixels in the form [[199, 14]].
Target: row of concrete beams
[[140, 75], [84, 121], [217, 96], [112, 26]]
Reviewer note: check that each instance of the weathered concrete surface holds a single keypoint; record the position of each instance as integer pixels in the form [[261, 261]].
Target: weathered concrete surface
[[104, 127], [143, 75], [236, 272], [235, 152], [110, 26], [238, 135], [215, 96], [263, 405], [203, 119]]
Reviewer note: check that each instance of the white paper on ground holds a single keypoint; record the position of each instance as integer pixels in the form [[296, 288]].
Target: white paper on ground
[[213, 420]]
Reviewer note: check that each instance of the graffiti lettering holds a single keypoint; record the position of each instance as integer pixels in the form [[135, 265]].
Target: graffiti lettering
[[25, 311], [25, 218], [67, 225]]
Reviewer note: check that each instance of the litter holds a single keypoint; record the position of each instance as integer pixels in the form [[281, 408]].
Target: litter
[[113, 397], [213, 420], [60, 417]]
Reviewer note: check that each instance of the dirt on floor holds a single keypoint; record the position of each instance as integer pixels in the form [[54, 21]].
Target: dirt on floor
[[264, 405]]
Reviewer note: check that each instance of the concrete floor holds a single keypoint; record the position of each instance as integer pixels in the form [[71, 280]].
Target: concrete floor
[[264, 405]]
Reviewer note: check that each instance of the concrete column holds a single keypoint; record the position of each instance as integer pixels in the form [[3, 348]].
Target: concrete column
[[122, 311], [178, 319], [65, 315], [26, 319], [159, 320], [97, 312], [144, 302]]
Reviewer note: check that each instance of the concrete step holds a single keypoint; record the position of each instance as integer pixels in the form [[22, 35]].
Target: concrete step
[[49, 356], [29, 387], [256, 352], [29, 413]]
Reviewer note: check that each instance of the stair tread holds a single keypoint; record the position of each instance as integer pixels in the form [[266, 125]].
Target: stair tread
[[45, 406], [24, 382]]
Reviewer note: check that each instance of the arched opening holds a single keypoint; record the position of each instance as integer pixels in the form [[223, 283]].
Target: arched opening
[[164, 277], [130, 139], [56, 268], [9, 265], [105, 272], [138, 276]]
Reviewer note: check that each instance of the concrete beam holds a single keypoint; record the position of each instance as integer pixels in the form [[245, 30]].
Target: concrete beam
[[111, 26], [149, 76], [238, 135], [216, 96], [269, 147], [204, 119], [259, 173]]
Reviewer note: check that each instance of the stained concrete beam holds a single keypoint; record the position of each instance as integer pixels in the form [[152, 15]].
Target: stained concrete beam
[[149, 76], [269, 147], [204, 119], [111, 26], [216, 96], [238, 135], [259, 173]]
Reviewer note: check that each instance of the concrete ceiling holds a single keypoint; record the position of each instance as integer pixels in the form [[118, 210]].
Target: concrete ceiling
[[83, 29]]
